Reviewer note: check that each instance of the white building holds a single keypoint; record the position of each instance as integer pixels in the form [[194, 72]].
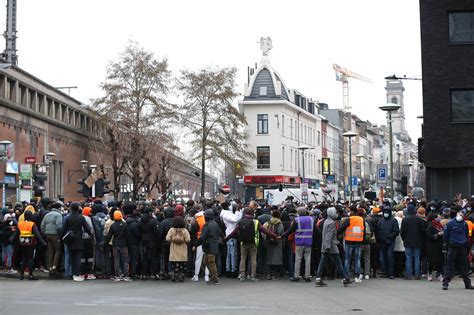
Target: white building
[[283, 125]]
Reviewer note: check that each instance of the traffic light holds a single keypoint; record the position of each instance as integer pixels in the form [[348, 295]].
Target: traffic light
[[39, 179], [101, 187], [83, 188]]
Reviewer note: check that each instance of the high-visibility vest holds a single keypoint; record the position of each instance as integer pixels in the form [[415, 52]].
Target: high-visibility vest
[[470, 226], [27, 236], [355, 230], [257, 233], [201, 220]]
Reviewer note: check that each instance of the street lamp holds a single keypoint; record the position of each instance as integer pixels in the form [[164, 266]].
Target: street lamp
[[389, 108], [350, 135], [303, 148]]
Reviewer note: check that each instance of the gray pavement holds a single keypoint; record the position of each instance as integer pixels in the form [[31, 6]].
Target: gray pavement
[[375, 296]]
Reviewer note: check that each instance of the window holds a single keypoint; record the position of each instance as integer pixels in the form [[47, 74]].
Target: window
[[283, 124], [394, 100], [461, 27], [291, 128], [462, 105], [305, 134], [263, 91], [291, 160], [283, 158], [262, 124], [319, 138], [263, 157]]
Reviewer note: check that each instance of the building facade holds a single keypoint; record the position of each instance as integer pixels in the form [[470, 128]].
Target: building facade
[[447, 38], [38, 120]]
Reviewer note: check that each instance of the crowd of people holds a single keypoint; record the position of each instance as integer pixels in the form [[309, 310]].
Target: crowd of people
[[123, 241]]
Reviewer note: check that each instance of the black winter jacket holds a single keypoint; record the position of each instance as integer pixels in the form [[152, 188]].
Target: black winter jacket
[[413, 231], [119, 231], [133, 232], [148, 229], [387, 229]]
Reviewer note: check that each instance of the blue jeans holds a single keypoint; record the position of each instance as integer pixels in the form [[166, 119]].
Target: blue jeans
[[7, 253], [388, 260], [412, 253], [231, 258], [349, 248], [67, 263]]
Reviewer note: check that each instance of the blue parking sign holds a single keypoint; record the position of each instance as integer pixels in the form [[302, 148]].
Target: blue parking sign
[[382, 173]]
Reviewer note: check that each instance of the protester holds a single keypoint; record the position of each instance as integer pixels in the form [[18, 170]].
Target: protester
[[178, 237]]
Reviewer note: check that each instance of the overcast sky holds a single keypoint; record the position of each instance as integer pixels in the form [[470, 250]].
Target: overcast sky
[[70, 42]]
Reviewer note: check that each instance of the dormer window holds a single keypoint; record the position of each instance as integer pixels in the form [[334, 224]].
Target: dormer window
[[263, 91]]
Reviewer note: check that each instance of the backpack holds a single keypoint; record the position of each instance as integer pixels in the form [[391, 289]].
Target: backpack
[[247, 230], [369, 236], [178, 237]]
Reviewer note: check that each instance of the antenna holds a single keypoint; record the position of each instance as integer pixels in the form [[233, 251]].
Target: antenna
[[10, 34]]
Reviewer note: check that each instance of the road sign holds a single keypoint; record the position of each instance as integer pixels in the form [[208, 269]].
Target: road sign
[[226, 189], [354, 181], [30, 159], [382, 171], [25, 171], [330, 179]]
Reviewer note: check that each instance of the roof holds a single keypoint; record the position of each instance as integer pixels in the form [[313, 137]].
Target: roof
[[265, 76]]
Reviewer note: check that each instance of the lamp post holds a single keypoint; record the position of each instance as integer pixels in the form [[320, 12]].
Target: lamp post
[[359, 157], [4, 144], [350, 135], [389, 108]]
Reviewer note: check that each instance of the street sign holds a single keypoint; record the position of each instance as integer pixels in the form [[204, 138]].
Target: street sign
[[354, 181], [226, 189], [30, 159], [382, 171], [25, 171], [330, 179], [326, 166], [93, 177]]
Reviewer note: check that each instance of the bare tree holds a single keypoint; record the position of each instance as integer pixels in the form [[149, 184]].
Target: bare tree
[[215, 124], [135, 112]]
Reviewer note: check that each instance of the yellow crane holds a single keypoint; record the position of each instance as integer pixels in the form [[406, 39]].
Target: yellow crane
[[342, 74]]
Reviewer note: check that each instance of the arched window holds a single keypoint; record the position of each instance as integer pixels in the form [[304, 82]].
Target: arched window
[[394, 100]]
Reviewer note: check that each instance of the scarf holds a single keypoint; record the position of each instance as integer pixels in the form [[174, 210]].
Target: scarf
[[437, 225]]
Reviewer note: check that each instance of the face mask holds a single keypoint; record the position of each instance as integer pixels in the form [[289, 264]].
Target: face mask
[[433, 208], [386, 215], [459, 218]]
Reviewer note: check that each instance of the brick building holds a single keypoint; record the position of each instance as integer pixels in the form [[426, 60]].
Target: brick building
[[38, 119]]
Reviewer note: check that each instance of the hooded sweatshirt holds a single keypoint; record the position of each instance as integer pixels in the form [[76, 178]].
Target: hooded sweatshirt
[[387, 228], [329, 234]]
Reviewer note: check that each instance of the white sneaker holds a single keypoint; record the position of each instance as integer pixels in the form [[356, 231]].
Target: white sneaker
[[77, 278], [195, 278], [440, 278], [367, 277], [206, 278], [357, 280], [91, 276]]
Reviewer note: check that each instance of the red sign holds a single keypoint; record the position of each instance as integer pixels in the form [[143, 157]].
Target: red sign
[[226, 188], [30, 160], [271, 180]]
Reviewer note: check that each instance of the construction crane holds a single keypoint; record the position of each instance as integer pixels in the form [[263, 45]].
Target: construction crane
[[342, 74]]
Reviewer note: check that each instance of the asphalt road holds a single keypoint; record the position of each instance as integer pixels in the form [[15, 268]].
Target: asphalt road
[[376, 296]]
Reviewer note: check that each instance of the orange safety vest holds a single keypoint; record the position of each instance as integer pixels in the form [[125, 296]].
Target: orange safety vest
[[470, 227], [27, 237], [355, 230], [200, 221]]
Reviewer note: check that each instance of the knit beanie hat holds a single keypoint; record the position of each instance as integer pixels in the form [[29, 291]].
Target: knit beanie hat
[[118, 216]]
